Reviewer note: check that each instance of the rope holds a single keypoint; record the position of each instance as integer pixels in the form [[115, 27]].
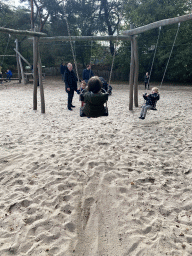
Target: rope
[[91, 50], [115, 46], [170, 54], [154, 55], [90, 58], [72, 50], [113, 56], [74, 47], [6, 49], [112, 62]]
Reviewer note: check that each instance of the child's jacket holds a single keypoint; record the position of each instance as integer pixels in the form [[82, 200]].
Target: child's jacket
[[151, 99], [94, 103]]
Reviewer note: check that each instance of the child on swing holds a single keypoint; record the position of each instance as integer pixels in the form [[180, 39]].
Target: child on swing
[[94, 99], [81, 91], [151, 100]]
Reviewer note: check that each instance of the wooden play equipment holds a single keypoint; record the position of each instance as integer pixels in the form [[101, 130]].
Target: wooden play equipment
[[36, 59], [130, 35], [127, 35], [134, 66]]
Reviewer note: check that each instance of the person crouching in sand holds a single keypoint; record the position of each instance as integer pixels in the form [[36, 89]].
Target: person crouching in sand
[[151, 100]]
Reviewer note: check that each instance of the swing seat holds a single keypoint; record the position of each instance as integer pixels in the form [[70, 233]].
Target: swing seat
[[106, 113], [154, 108]]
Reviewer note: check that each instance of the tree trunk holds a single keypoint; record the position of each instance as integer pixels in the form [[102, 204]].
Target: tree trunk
[[112, 48]]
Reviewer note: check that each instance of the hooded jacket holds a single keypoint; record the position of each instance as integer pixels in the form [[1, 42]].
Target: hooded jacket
[[151, 99], [94, 106]]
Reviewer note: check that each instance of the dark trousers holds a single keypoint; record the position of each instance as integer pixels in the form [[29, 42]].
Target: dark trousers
[[146, 85], [70, 98], [9, 77]]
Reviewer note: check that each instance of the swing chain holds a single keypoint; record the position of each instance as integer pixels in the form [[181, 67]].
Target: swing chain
[[72, 50], [121, 15], [154, 55], [170, 53], [90, 58], [114, 53]]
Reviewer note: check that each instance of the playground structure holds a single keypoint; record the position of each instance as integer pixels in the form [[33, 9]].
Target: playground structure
[[130, 35]]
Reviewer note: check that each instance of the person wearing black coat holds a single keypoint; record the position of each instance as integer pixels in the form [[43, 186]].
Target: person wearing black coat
[[63, 68], [70, 80], [146, 80], [87, 73]]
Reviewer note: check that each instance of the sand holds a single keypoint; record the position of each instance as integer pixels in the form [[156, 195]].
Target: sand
[[107, 186]]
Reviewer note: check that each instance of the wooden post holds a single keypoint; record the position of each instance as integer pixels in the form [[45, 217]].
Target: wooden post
[[35, 60], [136, 71], [22, 57], [22, 73], [41, 83], [131, 77], [17, 58], [35, 72]]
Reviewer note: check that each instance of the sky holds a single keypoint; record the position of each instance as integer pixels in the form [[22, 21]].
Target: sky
[[14, 3]]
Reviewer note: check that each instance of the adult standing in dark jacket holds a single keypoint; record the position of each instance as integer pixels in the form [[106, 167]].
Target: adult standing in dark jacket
[[87, 73], [70, 80], [63, 68], [146, 80]]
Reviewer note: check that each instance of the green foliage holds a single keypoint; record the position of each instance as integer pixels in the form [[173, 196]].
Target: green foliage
[[90, 17], [144, 12], [14, 19], [147, 11]]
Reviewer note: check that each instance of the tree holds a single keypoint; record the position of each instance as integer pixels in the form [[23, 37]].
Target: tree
[[43, 11], [18, 18], [110, 13], [144, 12]]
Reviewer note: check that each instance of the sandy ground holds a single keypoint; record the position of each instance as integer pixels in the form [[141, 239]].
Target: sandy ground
[[107, 186]]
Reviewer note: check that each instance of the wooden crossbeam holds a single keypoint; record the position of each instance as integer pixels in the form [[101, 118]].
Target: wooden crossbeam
[[7, 55], [6, 79], [157, 24], [83, 38], [22, 58], [21, 32]]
